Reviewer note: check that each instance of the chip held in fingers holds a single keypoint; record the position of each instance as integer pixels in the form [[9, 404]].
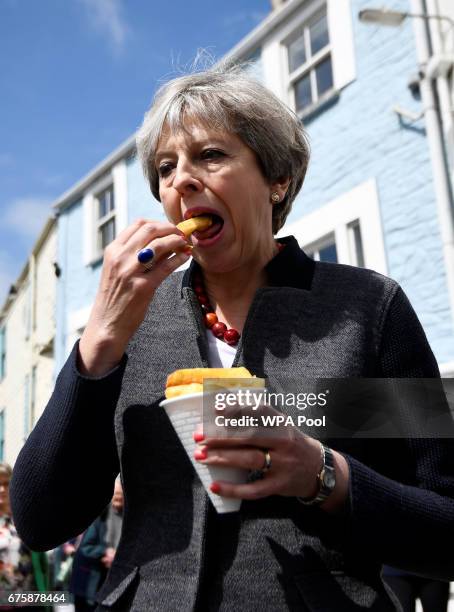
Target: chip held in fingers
[[186, 381], [194, 224]]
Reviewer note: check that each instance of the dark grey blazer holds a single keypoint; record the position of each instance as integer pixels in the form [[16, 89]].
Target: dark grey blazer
[[176, 553]]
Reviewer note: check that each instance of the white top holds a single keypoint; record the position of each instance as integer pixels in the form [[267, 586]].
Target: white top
[[220, 354]]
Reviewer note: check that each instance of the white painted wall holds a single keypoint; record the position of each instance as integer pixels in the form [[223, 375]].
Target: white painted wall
[[34, 303]]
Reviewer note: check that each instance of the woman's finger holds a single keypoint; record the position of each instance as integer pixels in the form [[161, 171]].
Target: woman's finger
[[162, 248], [165, 267], [255, 490], [148, 232], [246, 458], [236, 441], [125, 234]]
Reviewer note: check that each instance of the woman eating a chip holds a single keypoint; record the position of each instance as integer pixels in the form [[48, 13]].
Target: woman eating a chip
[[227, 159]]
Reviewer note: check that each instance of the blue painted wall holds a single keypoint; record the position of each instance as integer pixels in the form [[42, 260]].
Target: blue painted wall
[[140, 201], [360, 137], [78, 283]]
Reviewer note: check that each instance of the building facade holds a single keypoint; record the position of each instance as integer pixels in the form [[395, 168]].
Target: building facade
[[27, 338]]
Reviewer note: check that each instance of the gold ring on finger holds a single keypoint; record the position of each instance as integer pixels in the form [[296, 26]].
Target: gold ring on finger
[[267, 465]]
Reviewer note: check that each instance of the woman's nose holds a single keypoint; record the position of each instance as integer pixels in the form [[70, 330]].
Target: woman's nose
[[186, 180]]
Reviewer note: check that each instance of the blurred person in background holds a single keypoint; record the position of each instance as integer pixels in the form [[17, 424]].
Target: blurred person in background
[[96, 553], [20, 568]]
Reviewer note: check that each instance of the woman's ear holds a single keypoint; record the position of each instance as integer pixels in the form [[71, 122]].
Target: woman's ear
[[279, 187]]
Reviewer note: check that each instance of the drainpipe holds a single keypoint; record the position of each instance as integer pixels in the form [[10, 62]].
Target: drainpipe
[[442, 186]]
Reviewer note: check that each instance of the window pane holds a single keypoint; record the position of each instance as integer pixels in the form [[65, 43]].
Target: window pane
[[319, 34], [324, 76], [106, 202], [296, 53], [102, 205], [107, 233], [303, 95], [328, 253]]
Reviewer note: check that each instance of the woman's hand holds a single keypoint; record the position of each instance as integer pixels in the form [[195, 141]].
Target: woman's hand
[[126, 290], [295, 464]]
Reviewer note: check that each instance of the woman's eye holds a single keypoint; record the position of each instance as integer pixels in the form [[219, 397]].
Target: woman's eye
[[212, 154], [164, 169]]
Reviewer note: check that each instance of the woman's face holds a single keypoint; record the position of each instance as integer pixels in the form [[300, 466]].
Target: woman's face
[[4, 493], [202, 170]]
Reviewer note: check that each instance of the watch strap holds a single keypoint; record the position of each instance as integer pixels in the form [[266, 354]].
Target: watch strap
[[326, 479]]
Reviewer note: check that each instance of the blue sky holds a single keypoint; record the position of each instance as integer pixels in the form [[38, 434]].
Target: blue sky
[[76, 77]]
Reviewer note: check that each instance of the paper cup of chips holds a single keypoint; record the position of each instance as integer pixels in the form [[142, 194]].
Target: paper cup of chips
[[185, 414], [184, 406]]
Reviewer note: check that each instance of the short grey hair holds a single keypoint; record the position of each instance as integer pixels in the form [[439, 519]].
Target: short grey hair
[[229, 99]]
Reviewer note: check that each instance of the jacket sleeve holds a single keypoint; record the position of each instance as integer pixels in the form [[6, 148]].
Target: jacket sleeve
[[64, 475], [93, 544], [407, 522]]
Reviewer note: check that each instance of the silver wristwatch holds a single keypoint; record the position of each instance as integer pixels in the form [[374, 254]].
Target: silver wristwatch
[[326, 479]]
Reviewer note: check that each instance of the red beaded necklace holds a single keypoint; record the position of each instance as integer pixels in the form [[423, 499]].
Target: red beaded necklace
[[218, 328]]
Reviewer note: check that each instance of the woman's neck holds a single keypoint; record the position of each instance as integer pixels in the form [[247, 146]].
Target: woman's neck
[[231, 293]]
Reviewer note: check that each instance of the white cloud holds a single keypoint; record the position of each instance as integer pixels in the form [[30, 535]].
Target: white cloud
[[26, 216], [106, 16]]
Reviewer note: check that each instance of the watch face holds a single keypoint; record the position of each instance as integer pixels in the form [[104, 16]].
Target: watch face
[[329, 479]]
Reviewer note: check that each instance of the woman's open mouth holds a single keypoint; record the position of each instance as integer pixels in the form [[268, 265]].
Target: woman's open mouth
[[215, 228], [208, 236]]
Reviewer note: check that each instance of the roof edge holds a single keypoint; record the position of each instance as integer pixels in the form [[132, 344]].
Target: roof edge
[[68, 196]]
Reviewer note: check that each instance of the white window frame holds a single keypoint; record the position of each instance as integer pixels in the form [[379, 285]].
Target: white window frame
[[311, 61], [336, 217], [340, 27], [100, 222], [116, 178]]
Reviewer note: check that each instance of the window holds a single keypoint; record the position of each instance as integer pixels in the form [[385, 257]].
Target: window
[[346, 230], [325, 250], [105, 217], [105, 212], [2, 353], [309, 62]]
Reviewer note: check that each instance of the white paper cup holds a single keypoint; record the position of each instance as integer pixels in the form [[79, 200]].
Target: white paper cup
[[185, 414]]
